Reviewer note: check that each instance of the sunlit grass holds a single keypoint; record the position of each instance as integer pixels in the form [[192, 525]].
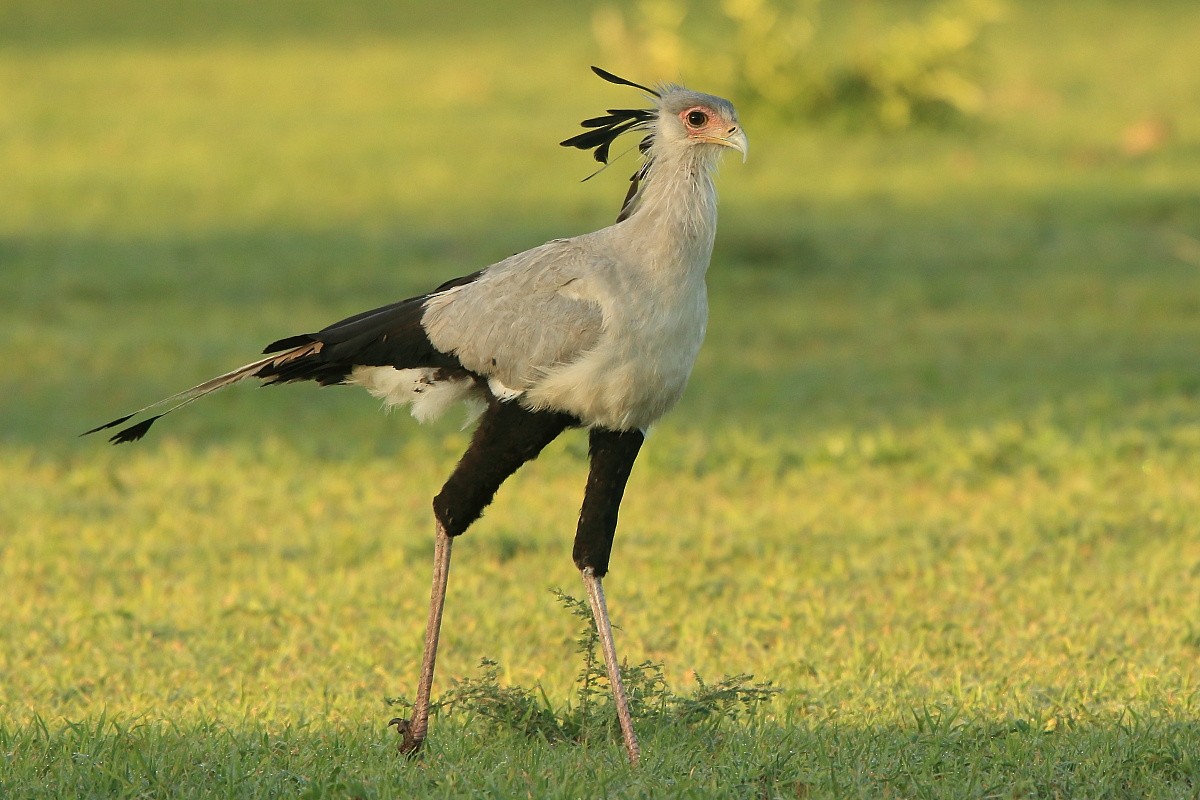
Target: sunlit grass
[[1018, 579], [935, 477]]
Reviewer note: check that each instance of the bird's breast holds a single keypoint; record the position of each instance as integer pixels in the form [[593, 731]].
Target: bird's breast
[[638, 369]]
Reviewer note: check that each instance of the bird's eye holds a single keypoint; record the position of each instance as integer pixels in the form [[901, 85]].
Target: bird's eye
[[696, 119]]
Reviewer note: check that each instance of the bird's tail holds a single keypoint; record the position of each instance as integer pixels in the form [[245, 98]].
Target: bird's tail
[[264, 367]]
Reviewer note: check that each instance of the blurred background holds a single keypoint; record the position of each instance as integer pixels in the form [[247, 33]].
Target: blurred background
[[962, 209]]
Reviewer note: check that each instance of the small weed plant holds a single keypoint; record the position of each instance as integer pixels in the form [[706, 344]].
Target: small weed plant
[[591, 716]]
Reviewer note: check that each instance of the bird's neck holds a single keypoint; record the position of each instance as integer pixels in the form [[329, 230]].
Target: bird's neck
[[675, 212]]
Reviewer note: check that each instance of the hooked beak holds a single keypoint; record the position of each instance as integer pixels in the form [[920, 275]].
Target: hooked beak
[[735, 139]]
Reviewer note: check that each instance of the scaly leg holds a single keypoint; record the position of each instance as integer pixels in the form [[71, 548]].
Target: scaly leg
[[595, 593], [612, 454], [412, 731], [507, 437]]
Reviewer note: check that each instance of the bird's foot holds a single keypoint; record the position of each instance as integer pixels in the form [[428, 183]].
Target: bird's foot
[[410, 743]]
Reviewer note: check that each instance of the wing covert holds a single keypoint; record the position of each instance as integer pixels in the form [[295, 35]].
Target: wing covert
[[520, 318]]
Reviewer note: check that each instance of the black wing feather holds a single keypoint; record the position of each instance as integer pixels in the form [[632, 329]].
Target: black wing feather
[[390, 335]]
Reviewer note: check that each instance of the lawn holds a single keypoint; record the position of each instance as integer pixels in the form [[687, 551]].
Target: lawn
[[936, 477]]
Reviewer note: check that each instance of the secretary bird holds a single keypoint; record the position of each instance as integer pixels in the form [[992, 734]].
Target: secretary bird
[[599, 331]]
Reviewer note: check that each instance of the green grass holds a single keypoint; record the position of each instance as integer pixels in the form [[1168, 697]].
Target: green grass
[[936, 477]]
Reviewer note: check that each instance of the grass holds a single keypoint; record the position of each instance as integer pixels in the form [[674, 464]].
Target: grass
[[935, 478]]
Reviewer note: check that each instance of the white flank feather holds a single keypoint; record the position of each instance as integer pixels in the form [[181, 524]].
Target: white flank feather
[[428, 396]]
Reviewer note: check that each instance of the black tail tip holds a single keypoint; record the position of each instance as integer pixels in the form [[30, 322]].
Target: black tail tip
[[133, 432], [107, 425]]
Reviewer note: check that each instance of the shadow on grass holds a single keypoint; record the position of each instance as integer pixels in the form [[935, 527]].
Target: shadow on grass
[[857, 324]]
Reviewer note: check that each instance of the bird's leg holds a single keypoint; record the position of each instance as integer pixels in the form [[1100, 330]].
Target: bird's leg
[[412, 732], [612, 455], [595, 593], [507, 437]]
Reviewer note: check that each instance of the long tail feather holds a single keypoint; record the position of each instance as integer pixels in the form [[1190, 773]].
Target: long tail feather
[[112, 424], [189, 396]]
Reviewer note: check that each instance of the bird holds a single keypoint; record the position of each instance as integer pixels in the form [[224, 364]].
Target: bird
[[598, 331]]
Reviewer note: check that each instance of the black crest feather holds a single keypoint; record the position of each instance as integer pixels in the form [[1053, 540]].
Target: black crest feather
[[608, 76], [604, 130]]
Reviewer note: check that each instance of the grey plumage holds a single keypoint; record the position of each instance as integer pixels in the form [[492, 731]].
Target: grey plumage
[[521, 318]]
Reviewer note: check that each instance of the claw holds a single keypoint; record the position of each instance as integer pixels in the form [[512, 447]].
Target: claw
[[409, 744]]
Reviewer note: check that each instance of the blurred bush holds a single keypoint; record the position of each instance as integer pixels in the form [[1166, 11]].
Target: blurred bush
[[776, 57]]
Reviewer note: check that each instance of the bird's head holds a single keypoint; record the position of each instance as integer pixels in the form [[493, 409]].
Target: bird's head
[[680, 117], [694, 119]]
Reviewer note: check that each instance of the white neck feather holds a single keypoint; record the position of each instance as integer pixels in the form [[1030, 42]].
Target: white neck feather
[[675, 210]]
